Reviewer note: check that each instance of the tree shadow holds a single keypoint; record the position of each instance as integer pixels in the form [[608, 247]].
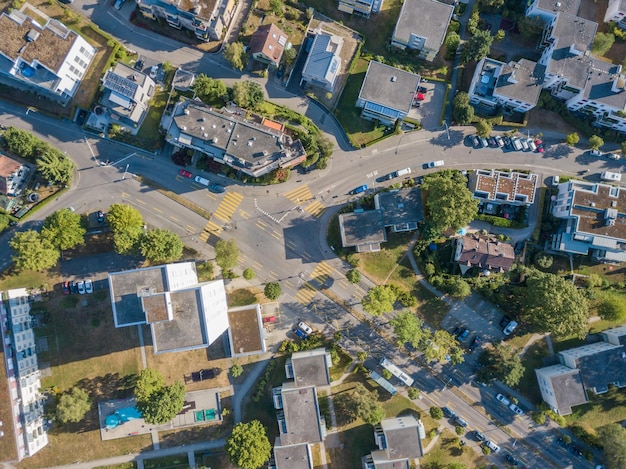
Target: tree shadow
[[448, 139], [562, 150]]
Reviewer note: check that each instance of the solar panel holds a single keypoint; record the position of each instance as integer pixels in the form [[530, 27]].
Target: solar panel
[[121, 85]]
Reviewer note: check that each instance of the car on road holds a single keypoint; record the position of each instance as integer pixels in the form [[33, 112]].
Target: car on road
[[492, 446], [88, 286], [216, 188], [203, 181], [510, 327], [299, 333], [475, 343], [460, 421], [66, 288], [463, 335], [479, 436], [502, 398], [433, 164], [118, 4], [516, 409], [448, 412], [303, 326], [511, 460], [185, 173], [595, 153], [81, 287], [358, 190], [100, 216]]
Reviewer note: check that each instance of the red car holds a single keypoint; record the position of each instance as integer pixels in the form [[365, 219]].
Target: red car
[[66, 288], [539, 144], [185, 173]]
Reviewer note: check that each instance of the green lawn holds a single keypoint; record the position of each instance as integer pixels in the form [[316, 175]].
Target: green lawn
[[149, 133], [447, 451], [241, 297], [169, 462], [532, 359], [124, 465], [359, 131], [28, 279], [600, 410]]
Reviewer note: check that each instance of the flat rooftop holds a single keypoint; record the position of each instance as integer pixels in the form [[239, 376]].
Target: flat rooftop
[[568, 388], [310, 368], [402, 436], [504, 186], [186, 329], [389, 86], [590, 205], [606, 367], [521, 81], [402, 206], [245, 330], [126, 288], [292, 457], [425, 18], [302, 414], [360, 228]]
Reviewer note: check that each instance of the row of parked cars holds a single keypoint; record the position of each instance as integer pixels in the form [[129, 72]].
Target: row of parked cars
[[81, 287], [510, 143]]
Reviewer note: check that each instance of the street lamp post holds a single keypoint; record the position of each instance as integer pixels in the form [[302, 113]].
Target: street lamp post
[[125, 171], [446, 385]]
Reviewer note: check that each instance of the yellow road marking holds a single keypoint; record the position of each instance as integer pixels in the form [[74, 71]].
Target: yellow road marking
[[139, 201]]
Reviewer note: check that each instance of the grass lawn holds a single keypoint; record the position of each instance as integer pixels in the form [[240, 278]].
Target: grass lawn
[[337, 371], [241, 297], [359, 131], [149, 130], [169, 462], [29, 279], [532, 359], [214, 461], [447, 451], [600, 410]]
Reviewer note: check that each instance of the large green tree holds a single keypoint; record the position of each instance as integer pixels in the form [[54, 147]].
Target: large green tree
[[161, 246], [595, 142], [501, 362], [32, 252], [149, 381], [235, 54], [226, 254], [483, 127], [441, 347], [379, 300], [462, 110], [247, 94], [611, 306], [359, 402], [158, 402], [22, 143], [209, 89], [553, 304], [55, 167], [613, 437], [127, 225], [477, 47], [409, 329], [248, 446], [63, 229], [602, 43], [450, 203], [73, 406]]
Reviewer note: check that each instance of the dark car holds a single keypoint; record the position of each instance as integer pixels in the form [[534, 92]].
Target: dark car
[[505, 321], [511, 460], [422, 89], [139, 64], [492, 142], [73, 287], [100, 216], [82, 115], [463, 335], [479, 436], [507, 142], [460, 421], [216, 188], [66, 288], [475, 343], [448, 412]]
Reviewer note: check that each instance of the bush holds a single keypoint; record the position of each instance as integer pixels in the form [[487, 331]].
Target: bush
[[543, 260], [406, 299], [436, 413], [414, 393], [272, 290], [459, 430], [486, 451], [249, 274], [236, 370], [387, 374], [539, 418], [353, 276], [429, 270]]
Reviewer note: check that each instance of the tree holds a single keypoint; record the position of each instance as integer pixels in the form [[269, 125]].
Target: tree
[[249, 273], [452, 41], [55, 167], [123, 217], [248, 446], [500, 35], [361, 356], [555, 305], [436, 413], [477, 47], [457, 287], [442, 346], [462, 110], [272, 290], [277, 7], [164, 404], [595, 142], [234, 53], [408, 328], [353, 276], [530, 26], [450, 203], [236, 370], [483, 128], [32, 252], [127, 242], [379, 300], [149, 381], [501, 362], [611, 307], [613, 437], [21, 143], [73, 406], [602, 43], [247, 94], [289, 55], [63, 229], [161, 246], [361, 403], [543, 260], [209, 89], [226, 254], [572, 139]]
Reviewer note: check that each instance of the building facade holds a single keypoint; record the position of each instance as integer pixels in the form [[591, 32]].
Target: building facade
[[323, 62]]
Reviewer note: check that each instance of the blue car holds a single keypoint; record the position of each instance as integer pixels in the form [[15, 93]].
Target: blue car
[[299, 333], [359, 189]]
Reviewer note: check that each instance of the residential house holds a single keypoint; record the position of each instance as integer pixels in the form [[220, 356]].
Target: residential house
[[182, 313], [616, 12], [267, 44], [296, 456], [363, 230], [387, 93], [22, 370], [50, 60], [402, 208], [126, 96], [299, 418], [422, 26], [483, 252], [547, 10], [227, 137], [399, 442], [324, 61], [310, 367], [493, 187], [10, 175], [207, 19], [594, 220], [516, 86], [591, 367], [360, 7]]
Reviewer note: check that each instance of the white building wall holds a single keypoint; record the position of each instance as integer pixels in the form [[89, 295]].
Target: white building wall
[[72, 71], [215, 309]]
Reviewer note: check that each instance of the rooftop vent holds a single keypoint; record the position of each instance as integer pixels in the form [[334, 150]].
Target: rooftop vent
[[214, 126], [186, 112], [32, 35], [183, 127], [394, 78], [557, 5], [202, 128]]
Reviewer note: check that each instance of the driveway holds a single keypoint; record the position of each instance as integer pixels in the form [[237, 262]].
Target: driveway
[[429, 112]]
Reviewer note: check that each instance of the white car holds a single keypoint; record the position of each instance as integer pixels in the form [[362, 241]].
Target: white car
[[502, 398], [612, 156], [153, 71], [516, 409], [81, 287], [595, 153], [88, 286], [510, 327], [305, 328]]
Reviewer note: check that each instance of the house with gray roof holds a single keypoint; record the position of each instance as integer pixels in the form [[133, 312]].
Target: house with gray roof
[[516, 86], [422, 26], [387, 93], [126, 96], [254, 147], [363, 230], [548, 9], [182, 313], [399, 442], [323, 61], [402, 208], [291, 457], [592, 367], [593, 220], [616, 13], [309, 367], [298, 414]]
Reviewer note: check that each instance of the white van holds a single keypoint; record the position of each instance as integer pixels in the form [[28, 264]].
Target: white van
[[404, 172], [532, 145], [516, 144], [203, 181], [609, 176], [492, 446], [524, 143]]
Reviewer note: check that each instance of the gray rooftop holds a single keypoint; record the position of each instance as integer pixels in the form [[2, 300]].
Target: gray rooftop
[[183, 79], [301, 411], [521, 80], [389, 86], [402, 206], [402, 437], [605, 367], [323, 61], [569, 390], [292, 457], [310, 368], [564, 6], [360, 228], [125, 80], [605, 85], [380, 460], [425, 18], [125, 287]]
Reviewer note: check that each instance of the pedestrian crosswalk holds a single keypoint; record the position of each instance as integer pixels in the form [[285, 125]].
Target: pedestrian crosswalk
[[322, 272], [228, 206], [299, 195], [305, 294], [315, 208], [210, 229]]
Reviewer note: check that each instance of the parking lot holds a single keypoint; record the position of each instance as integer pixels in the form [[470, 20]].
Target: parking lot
[[430, 108]]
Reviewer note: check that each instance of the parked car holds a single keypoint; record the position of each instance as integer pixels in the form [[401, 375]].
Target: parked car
[[524, 143], [475, 343], [611, 176], [299, 333], [499, 141], [118, 4], [516, 409], [505, 321], [531, 145], [185, 173], [612, 156], [595, 153], [517, 144], [507, 143], [305, 327], [139, 64], [502, 398], [203, 181], [475, 141], [448, 412], [479, 436], [73, 287], [66, 288], [88, 286], [461, 422], [510, 327], [100, 216], [511, 460], [358, 190], [216, 188], [492, 446], [81, 287], [154, 70], [539, 144], [433, 164], [484, 142], [463, 335], [492, 142]]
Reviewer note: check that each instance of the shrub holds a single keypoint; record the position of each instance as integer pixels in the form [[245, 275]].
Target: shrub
[[414, 393], [353, 276], [387, 374], [272, 290], [236, 370], [539, 418], [249, 274], [429, 269], [406, 299], [459, 430], [436, 413], [544, 260]]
